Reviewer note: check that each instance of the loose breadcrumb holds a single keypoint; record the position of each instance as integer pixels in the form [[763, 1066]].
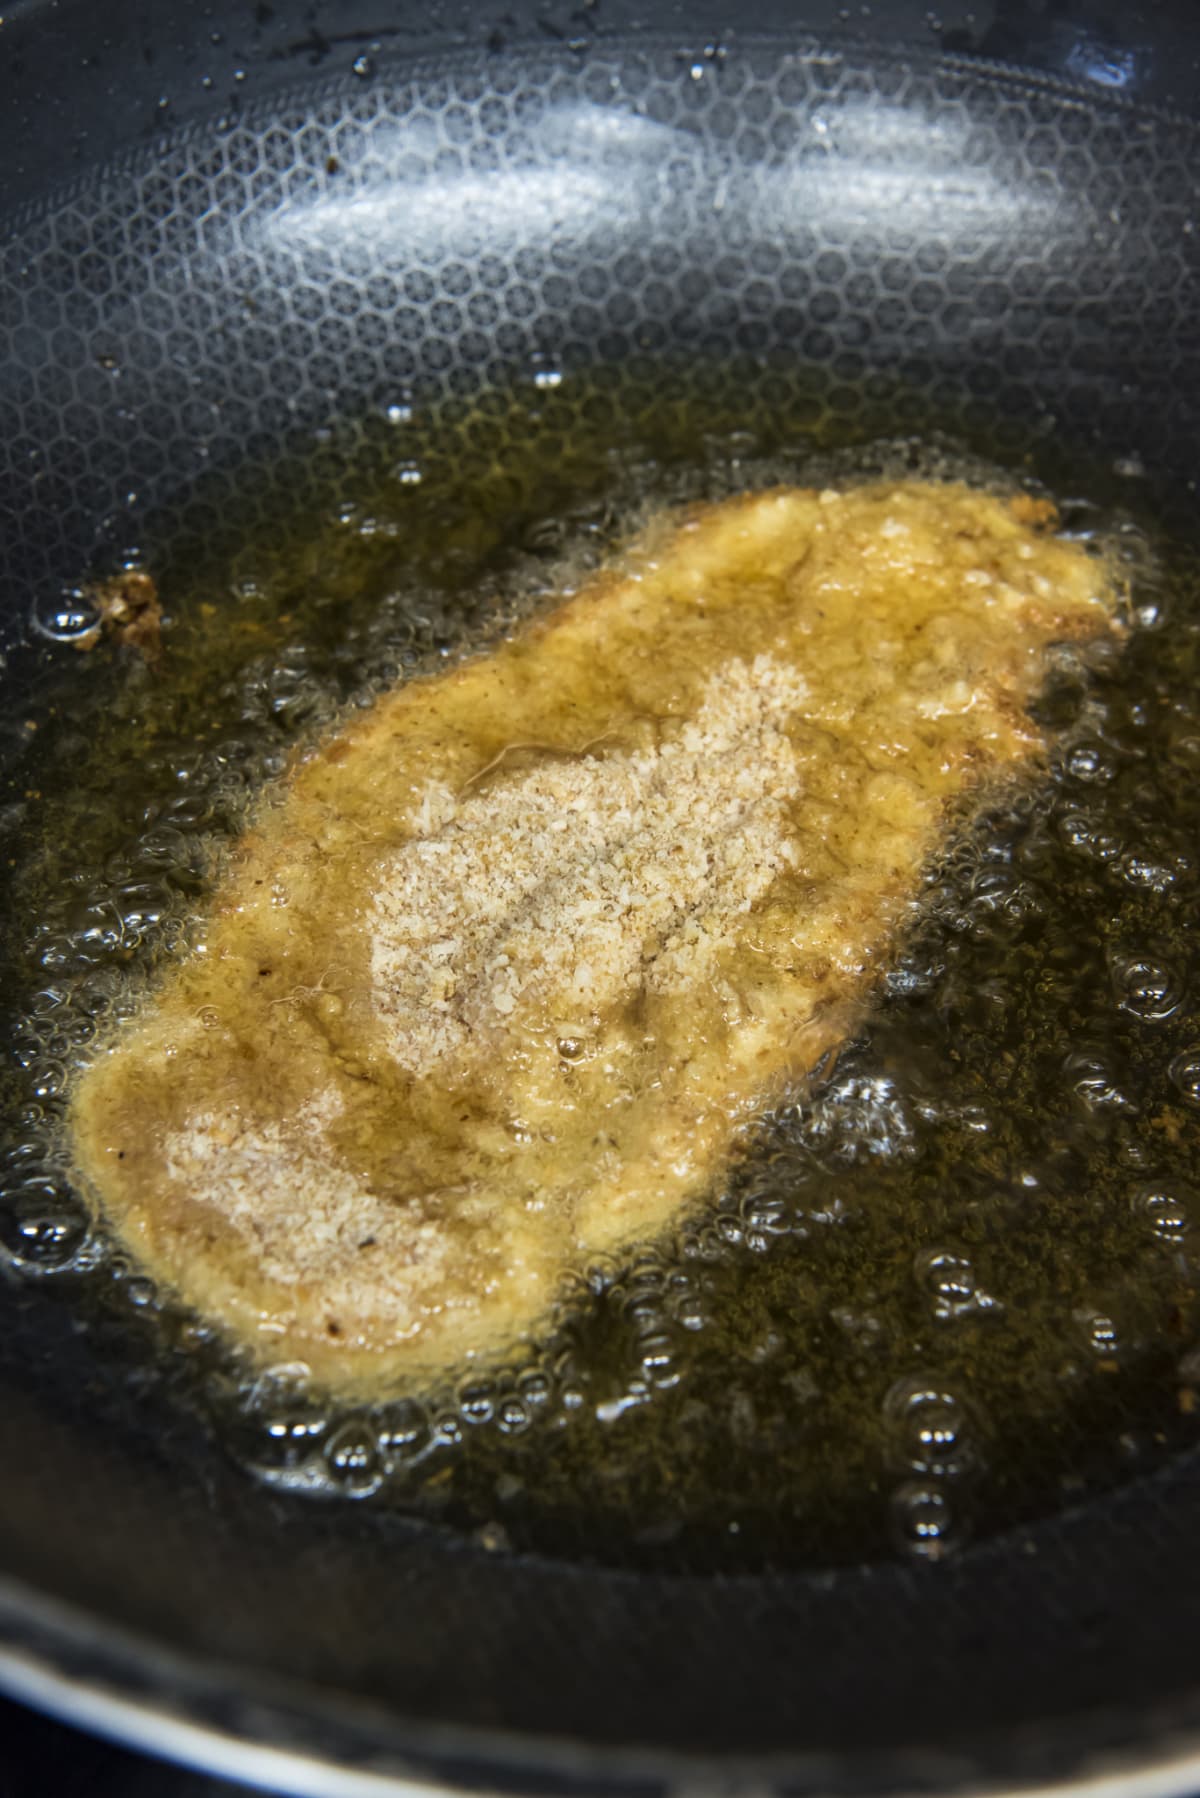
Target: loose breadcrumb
[[129, 610]]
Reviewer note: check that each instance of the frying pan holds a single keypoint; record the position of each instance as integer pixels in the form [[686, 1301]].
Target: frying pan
[[270, 218]]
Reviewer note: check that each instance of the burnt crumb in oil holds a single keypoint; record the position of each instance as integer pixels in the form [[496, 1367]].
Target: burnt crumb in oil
[[952, 1284]]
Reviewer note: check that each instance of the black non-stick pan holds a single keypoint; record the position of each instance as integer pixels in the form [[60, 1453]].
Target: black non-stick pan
[[227, 226]]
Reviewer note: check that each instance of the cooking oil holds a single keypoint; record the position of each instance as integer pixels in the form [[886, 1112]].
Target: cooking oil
[[952, 1281]]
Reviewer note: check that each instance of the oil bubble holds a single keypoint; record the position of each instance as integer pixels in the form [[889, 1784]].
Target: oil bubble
[[924, 1522], [534, 1387], [1165, 1210], [68, 618], [352, 1456], [860, 1115], [657, 1358], [689, 1311], [284, 1446], [477, 1402], [43, 1229], [1184, 1073], [1146, 986], [403, 1429], [948, 1276], [512, 1416], [50, 1081], [764, 1215], [917, 972], [1090, 836], [1151, 873], [1100, 1333], [1096, 1081], [42, 1241], [1149, 610], [928, 1428], [706, 1244], [729, 1229], [1091, 764], [999, 892]]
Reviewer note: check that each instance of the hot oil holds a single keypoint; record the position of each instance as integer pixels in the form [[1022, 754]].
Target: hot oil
[[950, 1285]]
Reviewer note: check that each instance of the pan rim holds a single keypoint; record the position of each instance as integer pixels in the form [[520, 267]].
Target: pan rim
[[1180, 1766], [415, 66], [150, 1699]]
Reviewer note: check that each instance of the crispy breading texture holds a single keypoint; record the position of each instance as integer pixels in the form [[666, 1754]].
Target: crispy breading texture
[[505, 964]]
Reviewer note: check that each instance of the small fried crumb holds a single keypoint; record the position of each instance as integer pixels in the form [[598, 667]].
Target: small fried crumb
[[129, 611]]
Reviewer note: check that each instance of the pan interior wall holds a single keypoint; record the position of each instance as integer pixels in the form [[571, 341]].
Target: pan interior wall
[[930, 242], [250, 327]]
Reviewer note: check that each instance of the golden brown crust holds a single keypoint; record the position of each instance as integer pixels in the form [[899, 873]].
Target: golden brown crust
[[503, 968]]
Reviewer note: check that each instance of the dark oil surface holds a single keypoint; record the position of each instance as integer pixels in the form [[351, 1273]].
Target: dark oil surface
[[952, 1285]]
